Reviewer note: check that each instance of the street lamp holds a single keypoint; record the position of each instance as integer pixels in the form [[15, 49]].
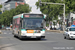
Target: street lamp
[[40, 3]]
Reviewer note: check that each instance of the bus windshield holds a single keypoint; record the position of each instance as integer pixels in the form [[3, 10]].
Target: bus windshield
[[33, 23]]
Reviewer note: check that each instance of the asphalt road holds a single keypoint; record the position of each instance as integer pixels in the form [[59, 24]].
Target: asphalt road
[[53, 41]]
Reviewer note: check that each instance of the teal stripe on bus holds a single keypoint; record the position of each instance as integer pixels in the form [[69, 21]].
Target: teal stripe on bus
[[18, 16], [23, 29], [22, 16], [43, 29], [15, 17], [44, 16]]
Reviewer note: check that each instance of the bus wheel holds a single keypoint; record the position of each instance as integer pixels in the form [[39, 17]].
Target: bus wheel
[[20, 38], [15, 36]]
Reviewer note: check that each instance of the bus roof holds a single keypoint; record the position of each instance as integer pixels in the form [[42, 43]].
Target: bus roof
[[21, 15], [26, 13]]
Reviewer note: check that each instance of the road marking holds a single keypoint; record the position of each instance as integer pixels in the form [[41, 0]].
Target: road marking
[[9, 33], [7, 47], [2, 37], [5, 33], [38, 41], [46, 33]]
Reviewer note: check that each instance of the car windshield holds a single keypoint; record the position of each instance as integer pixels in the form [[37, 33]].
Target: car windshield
[[72, 29], [32, 23]]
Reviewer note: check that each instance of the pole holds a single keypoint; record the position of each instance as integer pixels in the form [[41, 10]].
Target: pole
[[64, 19]]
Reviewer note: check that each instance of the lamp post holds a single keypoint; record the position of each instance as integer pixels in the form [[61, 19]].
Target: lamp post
[[57, 4]]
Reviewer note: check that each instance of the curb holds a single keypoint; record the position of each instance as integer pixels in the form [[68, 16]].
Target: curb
[[58, 31], [0, 32]]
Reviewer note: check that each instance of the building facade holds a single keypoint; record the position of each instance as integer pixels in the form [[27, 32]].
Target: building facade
[[10, 4]]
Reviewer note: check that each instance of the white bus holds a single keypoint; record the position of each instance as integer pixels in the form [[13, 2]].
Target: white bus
[[29, 25]]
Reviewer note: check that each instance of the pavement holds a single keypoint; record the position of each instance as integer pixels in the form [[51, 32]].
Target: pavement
[[0, 32], [58, 31], [53, 41]]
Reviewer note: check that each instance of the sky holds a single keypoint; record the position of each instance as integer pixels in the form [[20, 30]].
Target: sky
[[31, 3]]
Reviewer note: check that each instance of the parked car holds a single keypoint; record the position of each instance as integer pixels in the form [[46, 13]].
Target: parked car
[[8, 28]]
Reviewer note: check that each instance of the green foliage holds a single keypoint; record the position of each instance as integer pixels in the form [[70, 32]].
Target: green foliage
[[7, 16], [47, 24], [54, 10], [0, 11], [0, 6]]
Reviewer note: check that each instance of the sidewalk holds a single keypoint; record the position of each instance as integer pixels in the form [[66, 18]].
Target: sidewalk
[[58, 31], [0, 32]]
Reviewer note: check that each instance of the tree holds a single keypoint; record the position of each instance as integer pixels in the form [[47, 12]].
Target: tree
[[0, 11], [56, 9], [0, 6], [52, 11], [7, 16], [70, 6], [23, 9]]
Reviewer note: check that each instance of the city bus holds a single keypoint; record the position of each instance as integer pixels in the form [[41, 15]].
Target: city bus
[[29, 25]]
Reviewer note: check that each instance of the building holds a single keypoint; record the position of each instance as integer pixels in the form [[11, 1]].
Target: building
[[11, 4]]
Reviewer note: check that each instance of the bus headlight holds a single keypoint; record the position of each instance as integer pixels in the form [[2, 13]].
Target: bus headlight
[[37, 31], [43, 31], [23, 31]]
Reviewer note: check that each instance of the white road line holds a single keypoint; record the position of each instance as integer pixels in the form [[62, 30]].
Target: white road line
[[38, 41], [9, 33], [7, 47], [5, 33]]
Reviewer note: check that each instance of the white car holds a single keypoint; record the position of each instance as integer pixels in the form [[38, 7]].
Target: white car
[[69, 33]]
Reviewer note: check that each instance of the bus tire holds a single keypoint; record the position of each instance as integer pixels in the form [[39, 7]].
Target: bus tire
[[20, 37], [15, 36]]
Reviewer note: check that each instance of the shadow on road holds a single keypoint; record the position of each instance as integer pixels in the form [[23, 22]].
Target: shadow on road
[[31, 39]]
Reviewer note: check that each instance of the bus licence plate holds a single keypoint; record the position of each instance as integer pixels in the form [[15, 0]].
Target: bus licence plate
[[33, 37]]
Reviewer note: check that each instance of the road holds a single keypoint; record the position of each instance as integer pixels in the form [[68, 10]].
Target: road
[[53, 41]]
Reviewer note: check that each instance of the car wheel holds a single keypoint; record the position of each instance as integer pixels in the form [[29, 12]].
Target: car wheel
[[15, 36]]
